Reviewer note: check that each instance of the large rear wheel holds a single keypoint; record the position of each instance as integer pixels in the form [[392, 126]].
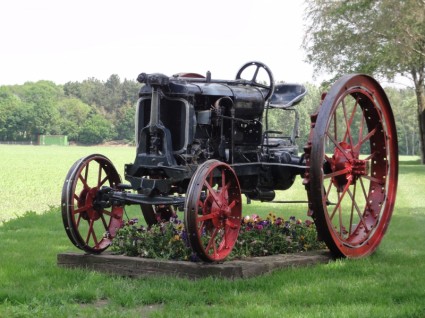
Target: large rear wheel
[[352, 157]]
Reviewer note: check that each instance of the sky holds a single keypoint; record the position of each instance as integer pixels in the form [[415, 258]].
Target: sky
[[64, 41]]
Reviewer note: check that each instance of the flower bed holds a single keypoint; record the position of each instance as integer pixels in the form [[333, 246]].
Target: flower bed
[[257, 237]]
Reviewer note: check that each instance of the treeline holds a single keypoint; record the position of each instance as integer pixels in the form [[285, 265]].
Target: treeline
[[88, 112], [94, 111]]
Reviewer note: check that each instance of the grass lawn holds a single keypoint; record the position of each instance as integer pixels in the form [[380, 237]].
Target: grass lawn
[[390, 283]]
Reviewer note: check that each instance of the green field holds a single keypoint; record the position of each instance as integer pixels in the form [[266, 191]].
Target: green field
[[31, 177], [390, 283]]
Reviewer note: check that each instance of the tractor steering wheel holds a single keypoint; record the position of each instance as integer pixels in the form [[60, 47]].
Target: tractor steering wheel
[[253, 81]]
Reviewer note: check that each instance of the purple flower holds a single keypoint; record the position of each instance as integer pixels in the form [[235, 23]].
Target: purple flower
[[279, 221]]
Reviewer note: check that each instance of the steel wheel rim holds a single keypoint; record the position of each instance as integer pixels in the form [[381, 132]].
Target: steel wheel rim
[[353, 194], [213, 211], [90, 227]]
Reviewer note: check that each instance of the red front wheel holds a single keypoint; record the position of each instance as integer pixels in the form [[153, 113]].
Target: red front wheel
[[352, 157], [213, 210], [90, 222]]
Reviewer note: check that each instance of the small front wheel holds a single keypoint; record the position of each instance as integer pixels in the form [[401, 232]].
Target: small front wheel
[[90, 222], [213, 210]]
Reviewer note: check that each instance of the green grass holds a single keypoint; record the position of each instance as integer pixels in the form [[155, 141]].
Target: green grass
[[390, 283], [31, 177]]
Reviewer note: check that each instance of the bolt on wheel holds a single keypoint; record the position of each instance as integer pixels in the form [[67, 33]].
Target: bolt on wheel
[[213, 210], [352, 157], [90, 222]]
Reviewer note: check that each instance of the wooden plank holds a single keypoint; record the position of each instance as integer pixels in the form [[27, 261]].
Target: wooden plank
[[139, 267]]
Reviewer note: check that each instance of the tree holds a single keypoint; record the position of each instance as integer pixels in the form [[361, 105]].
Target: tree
[[379, 37], [96, 130], [73, 114], [40, 100], [13, 116], [125, 122]]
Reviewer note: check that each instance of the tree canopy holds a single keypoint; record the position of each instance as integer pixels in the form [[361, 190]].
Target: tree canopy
[[379, 37], [87, 112]]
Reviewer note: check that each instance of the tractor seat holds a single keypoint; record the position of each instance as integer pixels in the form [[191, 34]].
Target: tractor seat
[[287, 95]]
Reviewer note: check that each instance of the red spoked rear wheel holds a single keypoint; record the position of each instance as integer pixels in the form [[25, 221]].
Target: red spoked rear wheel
[[90, 223], [213, 211], [352, 157]]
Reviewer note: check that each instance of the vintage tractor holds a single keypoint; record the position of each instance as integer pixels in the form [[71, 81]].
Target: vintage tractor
[[202, 143]]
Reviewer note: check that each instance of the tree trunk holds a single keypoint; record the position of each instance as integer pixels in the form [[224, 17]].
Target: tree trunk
[[418, 78]]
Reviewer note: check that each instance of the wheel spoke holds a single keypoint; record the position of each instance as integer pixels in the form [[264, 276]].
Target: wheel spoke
[[358, 211], [206, 217], [368, 136], [336, 173], [83, 209], [338, 204], [348, 125], [104, 222], [337, 145], [91, 231], [107, 212], [78, 221], [99, 176], [102, 182], [233, 204], [211, 241], [353, 198], [350, 121], [214, 194], [363, 189], [86, 173], [328, 191], [84, 181]]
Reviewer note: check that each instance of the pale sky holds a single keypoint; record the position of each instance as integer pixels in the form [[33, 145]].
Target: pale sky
[[66, 41]]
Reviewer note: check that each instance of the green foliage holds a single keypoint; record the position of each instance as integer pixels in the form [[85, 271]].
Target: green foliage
[[274, 235], [163, 240], [96, 130], [403, 102], [13, 115], [125, 122], [257, 237], [29, 110], [73, 115], [359, 37]]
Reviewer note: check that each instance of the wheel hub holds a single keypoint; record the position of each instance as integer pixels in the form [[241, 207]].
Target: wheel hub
[[220, 210], [345, 158], [88, 199]]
